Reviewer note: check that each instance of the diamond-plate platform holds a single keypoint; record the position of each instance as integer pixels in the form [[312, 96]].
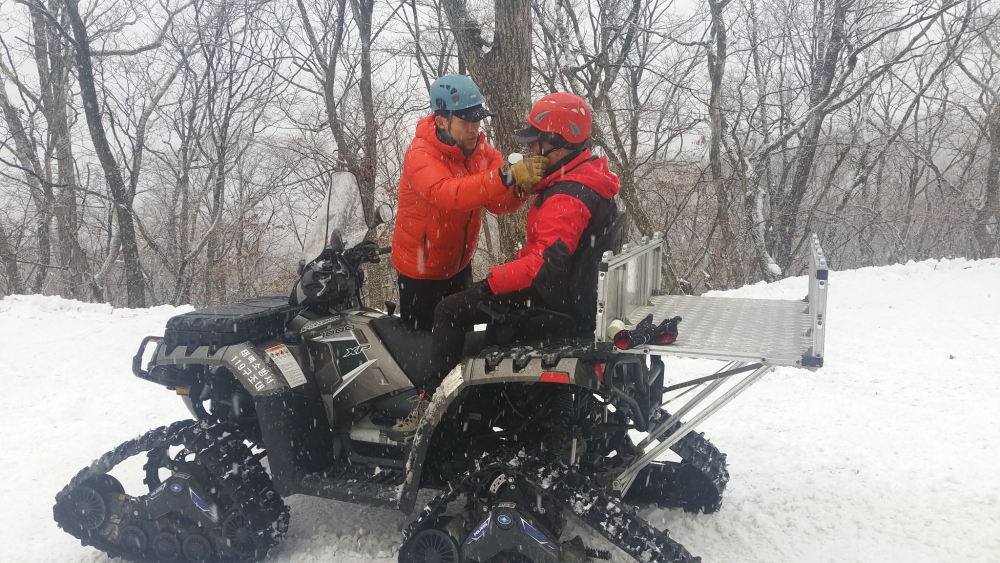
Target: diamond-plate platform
[[765, 331], [768, 331]]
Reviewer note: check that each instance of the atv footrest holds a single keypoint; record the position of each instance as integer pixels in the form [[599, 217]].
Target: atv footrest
[[378, 486]]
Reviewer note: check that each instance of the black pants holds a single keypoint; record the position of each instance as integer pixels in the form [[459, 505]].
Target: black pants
[[418, 298], [458, 314]]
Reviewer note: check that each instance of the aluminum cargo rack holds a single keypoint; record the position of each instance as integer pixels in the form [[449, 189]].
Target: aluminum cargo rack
[[752, 335]]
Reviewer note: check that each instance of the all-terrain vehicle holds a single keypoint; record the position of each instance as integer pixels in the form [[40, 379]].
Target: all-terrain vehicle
[[545, 419]]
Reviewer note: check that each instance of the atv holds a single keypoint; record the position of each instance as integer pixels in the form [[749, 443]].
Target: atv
[[544, 419]]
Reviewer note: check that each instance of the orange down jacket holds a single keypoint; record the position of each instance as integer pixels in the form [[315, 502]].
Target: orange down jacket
[[441, 197]]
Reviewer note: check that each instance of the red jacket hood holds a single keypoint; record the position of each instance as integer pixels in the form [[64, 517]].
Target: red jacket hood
[[594, 174], [427, 130]]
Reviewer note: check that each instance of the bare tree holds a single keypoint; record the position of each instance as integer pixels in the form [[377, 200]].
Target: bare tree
[[30, 170], [717, 54], [623, 58], [807, 68], [9, 259], [56, 192], [227, 88], [433, 53], [327, 50], [116, 183], [738, 129], [502, 70], [982, 67]]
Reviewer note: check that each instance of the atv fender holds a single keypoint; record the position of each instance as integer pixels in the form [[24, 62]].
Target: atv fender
[[248, 364], [296, 436], [473, 371]]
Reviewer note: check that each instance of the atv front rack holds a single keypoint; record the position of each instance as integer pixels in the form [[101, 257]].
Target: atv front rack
[[752, 335]]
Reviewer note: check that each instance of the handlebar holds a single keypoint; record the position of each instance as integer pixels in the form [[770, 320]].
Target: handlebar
[[366, 251], [335, 275]]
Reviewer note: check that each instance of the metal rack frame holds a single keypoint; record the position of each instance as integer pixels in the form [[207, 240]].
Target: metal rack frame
[[753, 335]]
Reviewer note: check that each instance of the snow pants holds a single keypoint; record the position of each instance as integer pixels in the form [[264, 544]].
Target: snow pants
[[418, 298]]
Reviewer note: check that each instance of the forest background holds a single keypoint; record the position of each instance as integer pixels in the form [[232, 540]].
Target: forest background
[[171, 151]]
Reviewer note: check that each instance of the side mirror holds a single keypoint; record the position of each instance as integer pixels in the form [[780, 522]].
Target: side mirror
[[383, 214]]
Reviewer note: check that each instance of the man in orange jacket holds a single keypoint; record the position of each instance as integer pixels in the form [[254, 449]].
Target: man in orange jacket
[[450, 173]]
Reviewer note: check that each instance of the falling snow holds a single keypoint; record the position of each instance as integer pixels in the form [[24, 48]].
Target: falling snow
[[888, 453]]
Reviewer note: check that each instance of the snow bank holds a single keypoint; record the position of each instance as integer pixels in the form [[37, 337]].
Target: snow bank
[[889, 453], [70, 396]]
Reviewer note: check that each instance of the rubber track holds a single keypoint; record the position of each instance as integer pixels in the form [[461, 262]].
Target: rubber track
[[695, 484], [438, 504], [609, 516], [618, 523], [220, 449]]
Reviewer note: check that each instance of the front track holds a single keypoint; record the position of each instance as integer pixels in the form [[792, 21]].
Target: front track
[[217, 505]]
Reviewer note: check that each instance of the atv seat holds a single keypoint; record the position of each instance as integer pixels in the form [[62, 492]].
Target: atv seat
[[535, 324], [411, 348], [408, 346]]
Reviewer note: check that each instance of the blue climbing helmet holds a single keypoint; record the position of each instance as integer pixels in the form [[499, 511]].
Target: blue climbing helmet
[[459, 96]]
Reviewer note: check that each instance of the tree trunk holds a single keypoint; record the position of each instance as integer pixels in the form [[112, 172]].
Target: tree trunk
[[717, 70], [987, 230], [51, 55], [824, 67], [758, 179], [363, 163], [503, 73], [9, 260], [135, 286], [365, 173]]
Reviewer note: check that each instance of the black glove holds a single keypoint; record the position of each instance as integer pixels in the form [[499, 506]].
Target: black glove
[[479, 296], [645, 332], [480, 290]]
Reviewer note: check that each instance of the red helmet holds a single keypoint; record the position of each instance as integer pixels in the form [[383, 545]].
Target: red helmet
[[565, 114]]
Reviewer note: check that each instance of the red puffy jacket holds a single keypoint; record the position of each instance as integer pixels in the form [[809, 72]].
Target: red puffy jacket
[[576, 196], [441, 196]]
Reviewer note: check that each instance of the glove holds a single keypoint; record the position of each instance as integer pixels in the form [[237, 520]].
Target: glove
[[480, 290], [525, 173], [479, 296], [645, 332]]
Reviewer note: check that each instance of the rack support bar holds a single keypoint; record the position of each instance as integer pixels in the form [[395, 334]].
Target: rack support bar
[[623, 481], [655, 433]]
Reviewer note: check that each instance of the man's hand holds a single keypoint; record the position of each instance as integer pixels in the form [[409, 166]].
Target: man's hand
[[525, 173], [480, 290]]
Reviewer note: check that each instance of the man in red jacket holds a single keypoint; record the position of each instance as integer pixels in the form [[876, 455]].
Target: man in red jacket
[[573, 203], [450, 173]]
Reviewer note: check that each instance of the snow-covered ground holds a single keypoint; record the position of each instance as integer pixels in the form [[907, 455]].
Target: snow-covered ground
[[889, 453]]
